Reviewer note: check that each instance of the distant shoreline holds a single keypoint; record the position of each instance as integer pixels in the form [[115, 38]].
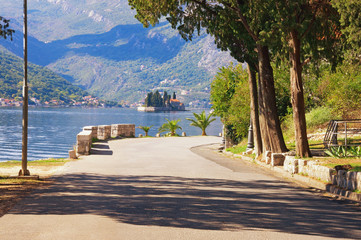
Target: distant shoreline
[[160, 109]]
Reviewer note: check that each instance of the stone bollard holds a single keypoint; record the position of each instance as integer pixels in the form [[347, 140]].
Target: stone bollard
[[157, 135], [277, 159], [140, 135], [84, 141], [290, 164], [267, 157], [104, 132], [72, 154], [184, 134], [93, 129], [116, 130]]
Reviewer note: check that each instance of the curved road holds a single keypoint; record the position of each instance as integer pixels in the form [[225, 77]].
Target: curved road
[[159, 188]]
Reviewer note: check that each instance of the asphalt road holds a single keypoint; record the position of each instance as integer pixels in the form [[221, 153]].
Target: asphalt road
[[160, 188]]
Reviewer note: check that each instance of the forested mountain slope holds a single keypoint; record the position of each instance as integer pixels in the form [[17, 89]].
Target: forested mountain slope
[[44, 84]]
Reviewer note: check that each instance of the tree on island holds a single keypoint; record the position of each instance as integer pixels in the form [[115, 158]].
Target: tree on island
[[157, 100], [201, 121]]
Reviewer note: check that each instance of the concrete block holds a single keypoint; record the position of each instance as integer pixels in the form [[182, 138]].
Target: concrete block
[[358, 181], [104, 132], [302, 165], [93, 129], [351, 178], [341, 179], [84, 141], [184, 134], [140, 135], [157, 135], [277, 159], [267, 157], [115, 130], [290, 164], [72, 154]]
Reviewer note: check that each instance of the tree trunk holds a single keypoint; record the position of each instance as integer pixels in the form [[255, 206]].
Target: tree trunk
[[297, 98], [204, 132], [254, 110], [272, 126], [262, 119]]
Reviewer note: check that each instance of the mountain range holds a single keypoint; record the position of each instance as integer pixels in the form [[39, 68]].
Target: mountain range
[[100, 46]]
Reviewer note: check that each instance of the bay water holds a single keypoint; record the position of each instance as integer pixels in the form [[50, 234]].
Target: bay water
[[52, 131]]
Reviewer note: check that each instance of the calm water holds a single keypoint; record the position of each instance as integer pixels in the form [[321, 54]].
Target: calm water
[[52, 131]]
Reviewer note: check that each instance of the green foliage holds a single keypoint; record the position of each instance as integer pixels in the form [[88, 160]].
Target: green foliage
[[350, 20], [230, 99], [44, 84], [339, 90], [201, 121], [319, 116], [5, 31], [145, 129], [342, 151], [171, 126], [282, 86], [315, 118]]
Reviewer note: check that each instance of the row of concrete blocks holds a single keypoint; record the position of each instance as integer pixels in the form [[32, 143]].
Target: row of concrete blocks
[[102, 132], [342, 179]]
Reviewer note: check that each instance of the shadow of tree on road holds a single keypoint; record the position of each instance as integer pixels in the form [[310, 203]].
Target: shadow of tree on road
[[195, 203]]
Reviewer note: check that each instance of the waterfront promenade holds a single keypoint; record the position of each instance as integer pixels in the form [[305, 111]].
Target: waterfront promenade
[[159, 188]]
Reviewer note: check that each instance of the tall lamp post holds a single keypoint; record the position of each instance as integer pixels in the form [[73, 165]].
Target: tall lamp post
[[24, 158], [250, 143]]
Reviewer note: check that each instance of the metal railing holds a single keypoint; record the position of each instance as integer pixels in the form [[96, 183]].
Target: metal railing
[[345, 133]]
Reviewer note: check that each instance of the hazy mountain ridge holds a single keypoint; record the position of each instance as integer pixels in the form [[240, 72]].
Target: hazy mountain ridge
[[117, 62]]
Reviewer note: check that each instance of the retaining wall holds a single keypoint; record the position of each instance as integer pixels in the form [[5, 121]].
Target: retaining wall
[[102, 132], [343, 179]]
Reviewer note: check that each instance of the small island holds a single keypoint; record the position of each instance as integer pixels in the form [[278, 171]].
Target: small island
[[154, 102]]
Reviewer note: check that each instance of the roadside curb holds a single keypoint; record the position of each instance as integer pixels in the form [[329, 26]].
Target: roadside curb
[[304, 181]]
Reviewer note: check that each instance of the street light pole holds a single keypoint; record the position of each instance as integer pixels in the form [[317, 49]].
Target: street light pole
[[24, 158], [250, 143]]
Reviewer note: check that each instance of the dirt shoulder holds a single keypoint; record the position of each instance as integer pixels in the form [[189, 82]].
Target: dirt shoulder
[[13, 190]]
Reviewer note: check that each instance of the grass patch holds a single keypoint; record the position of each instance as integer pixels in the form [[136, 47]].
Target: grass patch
[[332, 162], [38, 163], [240, 148]]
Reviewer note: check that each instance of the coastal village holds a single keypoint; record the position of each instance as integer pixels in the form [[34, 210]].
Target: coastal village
[[89, 101]]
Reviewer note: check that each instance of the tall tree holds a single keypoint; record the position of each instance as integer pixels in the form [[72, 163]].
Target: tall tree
[[236, 27], [350, 19], [302, 28]]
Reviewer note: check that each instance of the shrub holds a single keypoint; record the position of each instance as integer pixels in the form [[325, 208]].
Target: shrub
[[319, 116]]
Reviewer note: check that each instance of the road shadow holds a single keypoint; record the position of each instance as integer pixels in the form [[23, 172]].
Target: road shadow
[[196, 203], [101, 148]]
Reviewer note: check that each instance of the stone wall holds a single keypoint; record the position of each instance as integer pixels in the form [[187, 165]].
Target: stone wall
[[348, 180], [343, 179], [122, 130], [93, 129], [102, 132], [84, 142]]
